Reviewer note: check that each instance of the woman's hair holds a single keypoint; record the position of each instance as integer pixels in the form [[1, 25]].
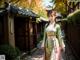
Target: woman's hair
[[49, 12]]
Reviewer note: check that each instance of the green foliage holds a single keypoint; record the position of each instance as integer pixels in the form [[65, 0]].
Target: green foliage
[[74, 17], [2, 5], [43, 14], [60, 6], [10, 52]]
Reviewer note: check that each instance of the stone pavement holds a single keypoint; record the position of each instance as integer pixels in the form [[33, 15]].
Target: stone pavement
[[68, 53], [38, 54]]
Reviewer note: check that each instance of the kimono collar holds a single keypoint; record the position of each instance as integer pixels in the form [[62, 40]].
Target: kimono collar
[[52, 23]]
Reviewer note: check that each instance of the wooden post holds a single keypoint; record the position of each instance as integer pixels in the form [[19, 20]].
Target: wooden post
[[31, 33], [29, 48], [27, 35], [36, 33], [11, 30], [10, 24]]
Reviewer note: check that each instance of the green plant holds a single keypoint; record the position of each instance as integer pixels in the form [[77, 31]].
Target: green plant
[[74, 17], [10, 52]]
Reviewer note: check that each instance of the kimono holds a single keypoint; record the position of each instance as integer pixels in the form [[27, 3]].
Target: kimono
[[52, 39]]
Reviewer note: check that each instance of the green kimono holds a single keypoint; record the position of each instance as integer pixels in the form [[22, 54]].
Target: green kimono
[[52, 39]]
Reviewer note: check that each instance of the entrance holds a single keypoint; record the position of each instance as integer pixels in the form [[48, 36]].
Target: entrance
[[21, 39]]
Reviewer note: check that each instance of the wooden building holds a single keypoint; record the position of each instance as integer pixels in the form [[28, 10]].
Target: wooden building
[[2, 27], [18, 28], [25, 29], [72, 33]]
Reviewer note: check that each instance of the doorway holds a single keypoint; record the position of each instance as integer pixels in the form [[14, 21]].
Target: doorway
[[21, 39]]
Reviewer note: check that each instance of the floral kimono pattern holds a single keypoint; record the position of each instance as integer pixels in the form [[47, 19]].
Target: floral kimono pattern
[[52, 39]]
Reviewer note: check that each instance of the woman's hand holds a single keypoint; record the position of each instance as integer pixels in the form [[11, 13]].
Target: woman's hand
[[62, 48], [58, 53]]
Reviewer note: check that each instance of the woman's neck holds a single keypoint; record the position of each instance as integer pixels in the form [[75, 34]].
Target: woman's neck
[[52, 22]]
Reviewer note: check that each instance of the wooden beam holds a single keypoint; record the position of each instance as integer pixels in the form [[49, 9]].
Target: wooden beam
[[29, 37]]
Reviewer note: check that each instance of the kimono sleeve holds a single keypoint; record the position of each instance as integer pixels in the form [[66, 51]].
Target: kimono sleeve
[[59, 36], [44, 37]]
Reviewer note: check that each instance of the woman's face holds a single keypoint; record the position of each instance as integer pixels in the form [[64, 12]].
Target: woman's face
[[52, 16]]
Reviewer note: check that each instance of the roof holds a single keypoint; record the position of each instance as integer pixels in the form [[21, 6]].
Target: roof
[[18, 11], [22, 12], [2, 11]]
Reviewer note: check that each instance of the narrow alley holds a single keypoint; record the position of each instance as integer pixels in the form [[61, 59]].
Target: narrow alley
[[25, 23], [38, 54]]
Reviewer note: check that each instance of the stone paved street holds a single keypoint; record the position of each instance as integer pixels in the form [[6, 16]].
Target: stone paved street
[[38, 54]]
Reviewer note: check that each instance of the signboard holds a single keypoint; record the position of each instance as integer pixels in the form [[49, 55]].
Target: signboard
[[2, 57]]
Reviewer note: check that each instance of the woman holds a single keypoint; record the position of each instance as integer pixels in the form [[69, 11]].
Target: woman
[[52, 42]]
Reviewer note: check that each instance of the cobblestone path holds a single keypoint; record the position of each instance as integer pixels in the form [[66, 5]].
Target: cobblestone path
[[38, 54]]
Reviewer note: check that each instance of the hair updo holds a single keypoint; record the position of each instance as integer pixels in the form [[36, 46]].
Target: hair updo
[[49, 12]]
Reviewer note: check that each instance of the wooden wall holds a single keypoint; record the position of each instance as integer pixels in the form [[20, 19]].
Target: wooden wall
[[25, 33], [1, 30], [72, 33]]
